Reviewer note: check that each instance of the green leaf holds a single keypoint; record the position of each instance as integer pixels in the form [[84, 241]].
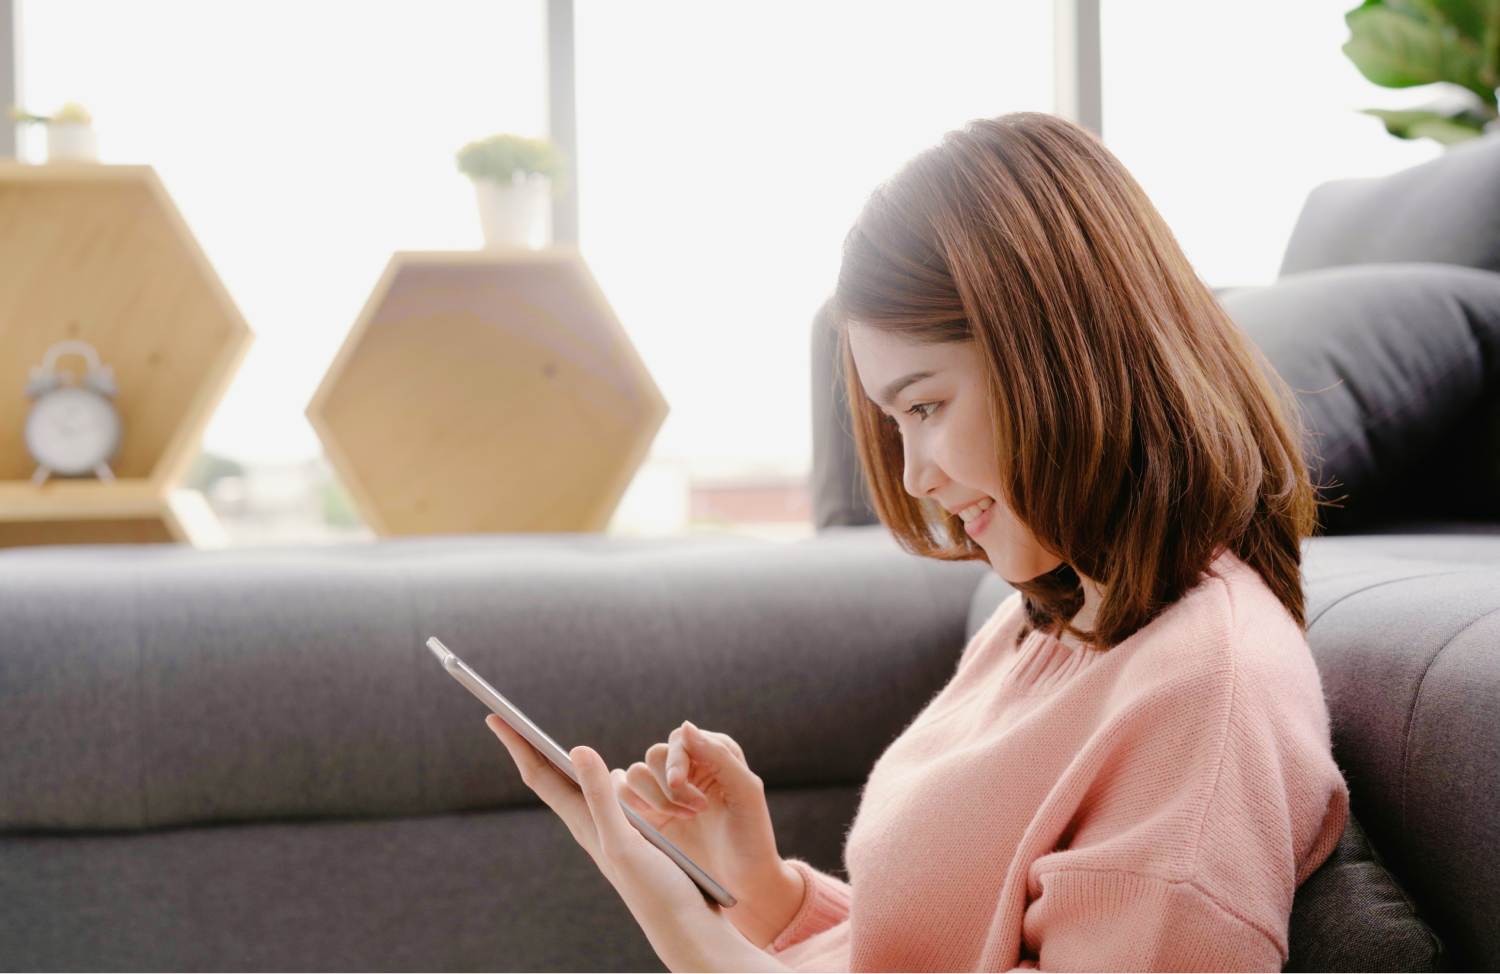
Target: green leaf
[[1394, 47], [500, 156], [1429, 125], [1469, 18]]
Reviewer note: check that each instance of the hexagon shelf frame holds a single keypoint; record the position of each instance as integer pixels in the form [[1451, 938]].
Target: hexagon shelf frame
[[100, 253], [74, 513], [486, 391]]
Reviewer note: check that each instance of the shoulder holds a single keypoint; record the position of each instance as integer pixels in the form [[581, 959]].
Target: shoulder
[[1227, 629]]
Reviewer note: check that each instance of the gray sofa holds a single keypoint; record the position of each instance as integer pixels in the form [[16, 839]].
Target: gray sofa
[[246, 760]]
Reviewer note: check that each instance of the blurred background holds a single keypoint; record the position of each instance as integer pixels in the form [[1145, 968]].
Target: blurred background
[[723, 150]]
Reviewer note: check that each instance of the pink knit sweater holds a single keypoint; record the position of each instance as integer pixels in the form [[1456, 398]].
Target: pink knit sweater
[[1152, 807]]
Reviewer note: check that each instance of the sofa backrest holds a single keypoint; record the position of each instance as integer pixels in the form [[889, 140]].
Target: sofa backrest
[[1446, 211], [188, 686], [1396, 368]]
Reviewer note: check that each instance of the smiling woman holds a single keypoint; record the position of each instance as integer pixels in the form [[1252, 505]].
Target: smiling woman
[[1131, 767]]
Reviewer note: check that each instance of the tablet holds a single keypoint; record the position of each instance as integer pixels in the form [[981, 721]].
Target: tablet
[[550, 750]]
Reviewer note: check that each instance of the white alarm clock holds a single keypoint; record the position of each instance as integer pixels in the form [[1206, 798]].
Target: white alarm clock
[[72, 430]]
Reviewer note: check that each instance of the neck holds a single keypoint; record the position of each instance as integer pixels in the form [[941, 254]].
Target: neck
[[1085, 618]]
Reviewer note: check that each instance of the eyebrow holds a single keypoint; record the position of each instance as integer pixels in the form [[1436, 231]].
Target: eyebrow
[[893, 389]]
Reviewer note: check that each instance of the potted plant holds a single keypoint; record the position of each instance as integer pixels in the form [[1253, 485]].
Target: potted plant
[[514, 178], [70, 133], [1401, 44]]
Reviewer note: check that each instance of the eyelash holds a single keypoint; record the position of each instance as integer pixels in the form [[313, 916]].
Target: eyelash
[[924, 410]]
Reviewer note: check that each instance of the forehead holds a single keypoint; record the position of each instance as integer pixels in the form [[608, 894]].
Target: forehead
[[882, 357]]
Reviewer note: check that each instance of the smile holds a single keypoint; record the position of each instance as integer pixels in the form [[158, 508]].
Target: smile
[[975, 509]]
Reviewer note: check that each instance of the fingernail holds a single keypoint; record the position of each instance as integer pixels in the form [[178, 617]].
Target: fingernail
[[582, 758]]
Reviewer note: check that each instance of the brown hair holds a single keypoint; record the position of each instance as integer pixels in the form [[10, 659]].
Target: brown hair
[[1137, 431]]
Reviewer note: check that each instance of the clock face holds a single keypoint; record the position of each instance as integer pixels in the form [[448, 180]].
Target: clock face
[[72, 430]]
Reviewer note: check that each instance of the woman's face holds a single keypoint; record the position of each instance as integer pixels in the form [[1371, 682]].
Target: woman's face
[[937, 396]]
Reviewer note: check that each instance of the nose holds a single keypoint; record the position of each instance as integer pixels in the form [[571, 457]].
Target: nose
[[920, 475]]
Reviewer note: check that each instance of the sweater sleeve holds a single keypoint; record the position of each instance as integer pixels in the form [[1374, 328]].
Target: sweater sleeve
[[1119, 921], [825, 903]]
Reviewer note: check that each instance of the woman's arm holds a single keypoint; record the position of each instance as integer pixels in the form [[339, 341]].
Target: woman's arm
[[686, 932]]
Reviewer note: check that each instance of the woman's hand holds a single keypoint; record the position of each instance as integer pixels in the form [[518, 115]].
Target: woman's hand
[[698, 791], [686, 931]]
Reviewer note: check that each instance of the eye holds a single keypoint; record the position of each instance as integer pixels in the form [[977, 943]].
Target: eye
[[924, 409]]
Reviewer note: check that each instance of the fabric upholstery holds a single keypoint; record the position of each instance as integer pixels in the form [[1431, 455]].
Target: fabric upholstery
[[191, 686], [1396, 370], [1446, 211], [499, 891], [1352, 915], [1391, 366], [1410, 657]]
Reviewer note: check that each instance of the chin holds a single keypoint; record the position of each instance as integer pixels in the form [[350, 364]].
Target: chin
[[1016, 566]]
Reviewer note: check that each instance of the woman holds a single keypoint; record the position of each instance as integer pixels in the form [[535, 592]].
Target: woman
[[1131, 767]]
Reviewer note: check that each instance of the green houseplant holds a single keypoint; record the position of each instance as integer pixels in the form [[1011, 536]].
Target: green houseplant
[[1404, 43], [500, 157], [514, 179]]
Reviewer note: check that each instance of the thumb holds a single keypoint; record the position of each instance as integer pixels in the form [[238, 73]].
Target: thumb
[[604, 805], [725, 762]]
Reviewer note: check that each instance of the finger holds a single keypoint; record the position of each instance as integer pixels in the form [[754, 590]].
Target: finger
[[645, 786], [727, 763], [616, 835], [550, 785], [678, 771], [626, 794], [533, 767], [684, 793], [728, 742]]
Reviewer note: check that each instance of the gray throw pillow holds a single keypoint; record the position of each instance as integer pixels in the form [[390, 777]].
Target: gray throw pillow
[[1446, 211], [1397, 371], [1352, 915]]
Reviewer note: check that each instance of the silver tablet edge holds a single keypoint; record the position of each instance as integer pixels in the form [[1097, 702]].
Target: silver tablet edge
[[553, 752]]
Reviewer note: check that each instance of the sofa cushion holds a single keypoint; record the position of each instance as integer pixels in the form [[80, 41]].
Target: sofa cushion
[[1352, 915], [193, 686], [1446, 211], [1397, 372], [1409, 652], [488, 891]]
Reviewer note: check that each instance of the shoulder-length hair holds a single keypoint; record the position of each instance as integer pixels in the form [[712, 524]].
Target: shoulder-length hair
[[1137, 431]]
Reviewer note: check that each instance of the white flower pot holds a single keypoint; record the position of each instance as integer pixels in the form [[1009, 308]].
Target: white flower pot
[[517, 214], [71, 142]]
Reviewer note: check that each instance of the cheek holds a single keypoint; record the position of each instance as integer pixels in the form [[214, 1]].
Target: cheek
[[1013, 553], [969, 451]]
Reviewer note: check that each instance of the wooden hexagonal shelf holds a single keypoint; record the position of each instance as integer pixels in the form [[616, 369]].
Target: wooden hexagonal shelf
[[487, 391], [100, 253], [74, 513]]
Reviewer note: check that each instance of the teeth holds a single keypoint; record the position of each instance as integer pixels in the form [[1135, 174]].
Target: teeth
[[975, 509]]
